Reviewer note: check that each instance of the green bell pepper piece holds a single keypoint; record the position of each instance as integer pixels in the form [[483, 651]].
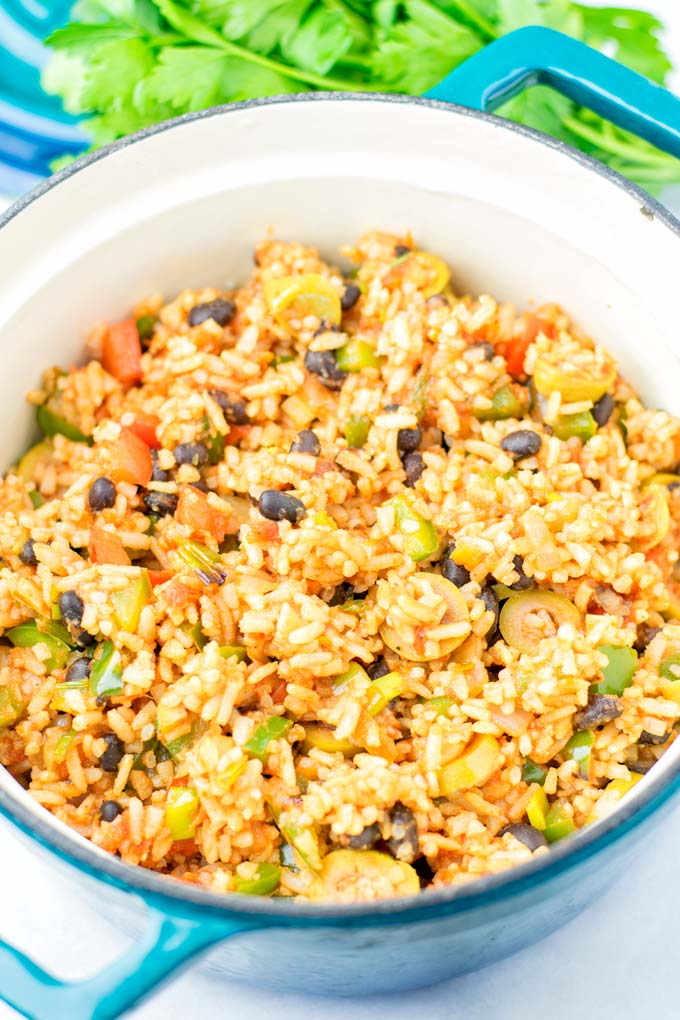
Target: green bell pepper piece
[[50, 424], [533, 773], [420, 535], [356, 355], [558, 823], [382, 690], [619, 671], [581, 425], [49, 632], [441, 705], [146, 325], [274, 728], [357, 429], [106, 674], [11, 706], [237, 652], [129, 602], [504, 404], [669, 668], [266, 880], [181, 809], [578, 748]]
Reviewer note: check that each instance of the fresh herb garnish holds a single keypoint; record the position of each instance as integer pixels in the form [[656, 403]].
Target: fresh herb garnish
[[125, 64]]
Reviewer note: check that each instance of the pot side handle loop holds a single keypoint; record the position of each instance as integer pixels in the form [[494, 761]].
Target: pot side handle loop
[[533, 56], [167, 945]]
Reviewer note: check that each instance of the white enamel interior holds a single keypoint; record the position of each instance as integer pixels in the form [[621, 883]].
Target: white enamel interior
[[183, 207]]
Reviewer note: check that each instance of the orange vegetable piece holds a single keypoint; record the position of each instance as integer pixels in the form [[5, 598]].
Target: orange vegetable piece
[[131, 459], [194, 510], [516, 350], [105, 547], [144, 427], [178, 594], [157, 577], [122, 352]]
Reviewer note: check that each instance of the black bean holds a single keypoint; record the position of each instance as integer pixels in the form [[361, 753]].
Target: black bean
[[350, 296], [391, 408], [112, 756], [201, 485], [221, 310], [102, 494], [653, 739], [413, 465], [524, 582], [488, 349], [408, 440], [377, 669], [157, 473], [191, 453], [645, 635], [424, 871], [323, 364], [79, 669], [453, 571], [403, 840], [641, 767], [306, 441], [532, 838], [366, 839], [603, 409], [233, 409], [326, 327], [343, 593], [522, 443], [280, 506], [110, 810], [401, 249], [488, 597], [27, 554], [71, 607], [601, 708], [160, 503]]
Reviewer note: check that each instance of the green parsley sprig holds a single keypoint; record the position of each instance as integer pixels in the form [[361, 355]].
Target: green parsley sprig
[[125, 64]]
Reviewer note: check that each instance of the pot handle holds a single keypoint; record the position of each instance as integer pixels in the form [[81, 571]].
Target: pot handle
[[533, 56], [168, 944]]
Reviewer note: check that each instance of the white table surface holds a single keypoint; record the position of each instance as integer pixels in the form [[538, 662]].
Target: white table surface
[[618, 959]]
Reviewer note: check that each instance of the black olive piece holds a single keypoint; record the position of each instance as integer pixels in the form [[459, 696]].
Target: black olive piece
[[71, 607], [191, 453], [27, 554], [413, 465], [391, 408], [524, 582], [640, 767], [280, 506], [425, 873], [112, 756], [601, 708], [306, 441], [157, 473], [401, 249], [366, 839], [453, 571], [102, 494], [326, 327], [221, 310], [343, 593], [408, 440], [532, 838], [350, 296], [645, 635], [603, 409], [160, 503], [201, 485], [323, 364], [521, 444], [403, 840], [377, 669], [110, 810], [488, 349], [653, 739], [79, 669], [488, 597], [234, 410]]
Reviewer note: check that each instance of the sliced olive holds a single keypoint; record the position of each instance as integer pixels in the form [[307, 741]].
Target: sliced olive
[[517, 620]]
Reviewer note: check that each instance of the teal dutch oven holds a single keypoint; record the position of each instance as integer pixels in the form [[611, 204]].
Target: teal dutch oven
[[517, 214]]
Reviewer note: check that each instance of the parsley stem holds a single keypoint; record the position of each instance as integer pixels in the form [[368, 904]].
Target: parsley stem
[[476, 19], [624, 149]]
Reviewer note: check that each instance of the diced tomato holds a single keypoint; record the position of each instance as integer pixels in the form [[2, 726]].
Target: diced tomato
[[236, 434], [157, 577], [178, 594], [194, 510], [279, 693], [516, 350], [131, 459], [122, 352], [144, 427], [105, 547]]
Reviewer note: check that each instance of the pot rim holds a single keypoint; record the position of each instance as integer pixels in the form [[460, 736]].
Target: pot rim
[[79, 852]]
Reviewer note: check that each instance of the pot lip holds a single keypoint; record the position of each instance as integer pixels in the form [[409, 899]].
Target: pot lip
[[447, 899], [649, 207]]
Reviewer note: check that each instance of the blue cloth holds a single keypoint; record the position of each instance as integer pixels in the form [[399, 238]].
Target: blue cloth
[[34, 129]]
